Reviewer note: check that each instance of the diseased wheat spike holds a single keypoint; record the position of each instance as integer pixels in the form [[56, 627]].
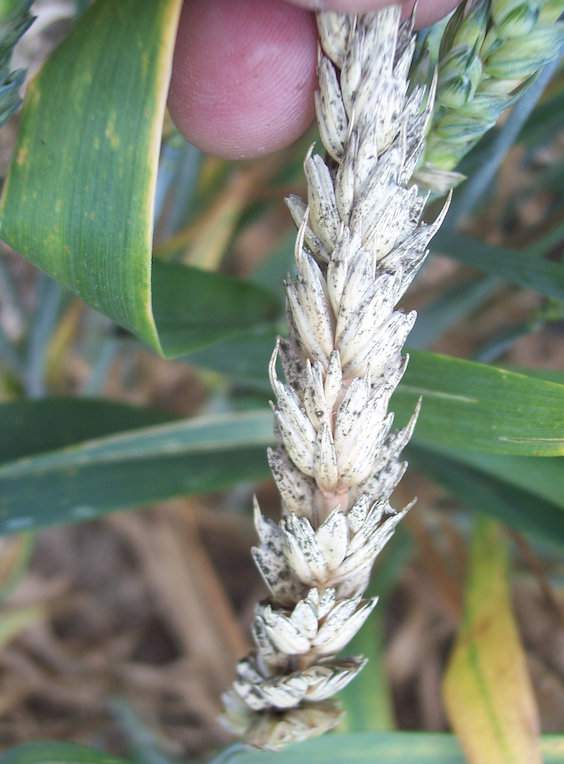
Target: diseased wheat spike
[[361, 241], [490, 52], [15, 19]]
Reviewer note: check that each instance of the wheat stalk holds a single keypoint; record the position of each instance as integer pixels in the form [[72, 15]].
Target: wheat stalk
[[15, 19], [360, 243], [490, 52]]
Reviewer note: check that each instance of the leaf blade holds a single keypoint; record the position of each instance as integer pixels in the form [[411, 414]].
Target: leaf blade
[[536, 475], [141, 465], [364, 748], [487, 491], [49, 158], [384, 748], [56, 753], [78, 200], [518, 267], [487, 690], [473, 406]]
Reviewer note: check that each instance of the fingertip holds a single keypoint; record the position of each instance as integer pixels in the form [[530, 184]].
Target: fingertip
[[243, 75]]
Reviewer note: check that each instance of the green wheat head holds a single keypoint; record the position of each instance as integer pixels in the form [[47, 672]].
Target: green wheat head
[[15, 19], [489, 53]]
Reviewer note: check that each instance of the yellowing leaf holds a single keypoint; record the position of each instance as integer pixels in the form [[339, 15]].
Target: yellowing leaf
[[487, 689]]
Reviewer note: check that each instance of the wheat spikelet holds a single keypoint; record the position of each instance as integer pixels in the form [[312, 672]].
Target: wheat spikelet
[[360, 243], [490, 52], [15, 19]]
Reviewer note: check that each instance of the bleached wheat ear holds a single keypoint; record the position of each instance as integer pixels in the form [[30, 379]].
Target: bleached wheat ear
[[360, 243]]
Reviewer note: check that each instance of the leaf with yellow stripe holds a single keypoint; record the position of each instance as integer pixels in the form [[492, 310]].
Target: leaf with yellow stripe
[[79, 197], [487, 689]]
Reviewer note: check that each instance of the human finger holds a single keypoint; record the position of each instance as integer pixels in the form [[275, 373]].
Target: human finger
[[243, 75]]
